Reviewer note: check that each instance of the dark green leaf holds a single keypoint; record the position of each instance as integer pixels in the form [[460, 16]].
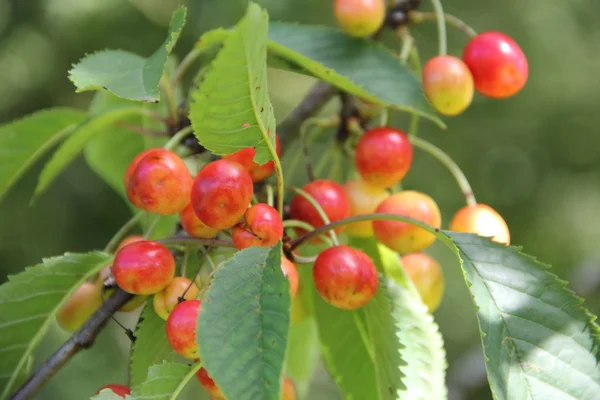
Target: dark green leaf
[[29, 302], [164, 381], [244, 323]]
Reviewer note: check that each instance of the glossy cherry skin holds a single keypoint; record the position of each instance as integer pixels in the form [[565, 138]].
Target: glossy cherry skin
[[245, 157], [160, 182], [497, 63], [261, 227], [448, 84], [482, 220], [193, 226], [403, 237], [383, 156], [364, 199], [165, 301], [426, 274], [80, 306], [181, 328], [130, 239], [143, 267], [290, 272], [119, 390], [345, 277], [329, 195], [360, 18], [208, 384], [221, 193]]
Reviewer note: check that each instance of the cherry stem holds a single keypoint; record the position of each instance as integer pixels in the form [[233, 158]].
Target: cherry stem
[[177, 137], [295, 223], [195, 242], [320, 211], [441, 24], [127, 226], [450, 19], [151, 227], [449, 163], [407, 44], [185, 64], [200, 264], [195, 368], [185, 260], [167, 89], [270, 195], [304, 260]]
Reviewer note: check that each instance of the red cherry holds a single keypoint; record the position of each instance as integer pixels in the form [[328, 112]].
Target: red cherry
[[345, 277], [208, 384], [290, 272], [246, 158], [221, 193], [158, 182], [143, 267], [262, 226], [181, 328], [448, 84], [119, 390], [498, 64], [383, 156], [193, 226]]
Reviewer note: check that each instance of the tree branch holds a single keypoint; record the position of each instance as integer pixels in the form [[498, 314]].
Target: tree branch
[[82, 339]]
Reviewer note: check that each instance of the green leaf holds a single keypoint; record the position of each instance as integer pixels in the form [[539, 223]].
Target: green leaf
[[231, 109], [29, 302], [106, 394], [538, 339], [24, 141], [151, 345], [164, 381], [125, 74], [243, 324]]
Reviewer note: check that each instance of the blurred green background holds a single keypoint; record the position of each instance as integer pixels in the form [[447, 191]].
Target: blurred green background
[[535, 157]]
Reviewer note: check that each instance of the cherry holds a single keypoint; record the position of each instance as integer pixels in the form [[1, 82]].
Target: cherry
[[80, 306], [245, 157], [166, 300], [158, 182], [498, 64], [193, 226], [262, 226], [288, 391], [221, 193], [360, 18], [482, 220], [364, 199], [329, 195], [403, 237], [119, 390], [383, 156], [181, 328], [290, 272], [143, 267], [345, 277], [426, 274], [130, 239], [448, 84], [208, 384]]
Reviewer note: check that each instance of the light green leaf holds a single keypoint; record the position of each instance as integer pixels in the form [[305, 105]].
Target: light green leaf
[[24, 141], [29, 302], [164, 381], [538, 339], [231, 109], [151, 345], [246, 316], [106, 394], [125, 74]]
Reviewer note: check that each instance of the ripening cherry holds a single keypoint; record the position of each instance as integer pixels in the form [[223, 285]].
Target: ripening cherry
[[165, 301], [288, 391], [144, 267], [482, 220], [448, 84], [262, 227], [360, 18], [193, 226], [208, 384], [329, 195], [246, 158], [383, 156], [403, 237], [158, 182], [498, 64], [130, 239], [345, 277], [181, 328], [290, 272], [80, 306], [426, 274], [221, 193], [119, 390], [364, 199]]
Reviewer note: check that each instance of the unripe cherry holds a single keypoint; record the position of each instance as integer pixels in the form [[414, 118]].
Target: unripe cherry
[[499, 66], [403, 237], [262, 227], [165, 301], [221, 193], [482, 220], [119, 390], [158, 182], [130, 239], [426, 274], [80, 306], [289, 271], [345, 277], [448, 84], [144, 267], [245, 157], [360, 18], [288, 391], [181, 328], [364, 199], [193, 226], [383, 156]]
